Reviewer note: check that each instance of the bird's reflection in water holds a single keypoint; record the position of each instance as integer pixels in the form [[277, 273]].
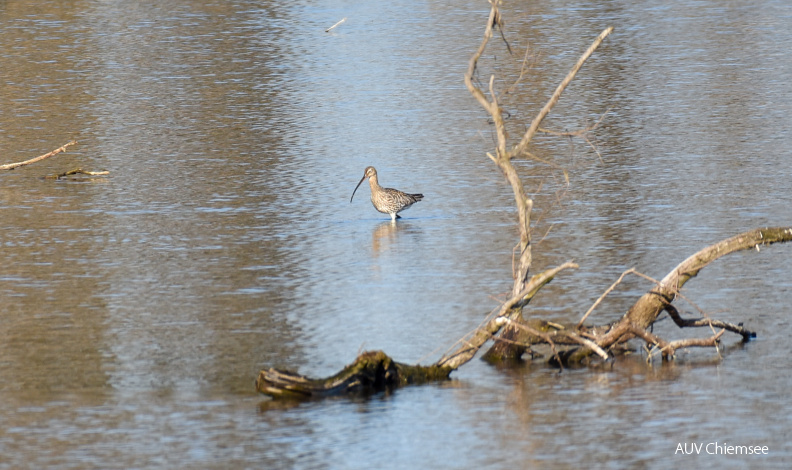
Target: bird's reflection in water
[[385, 235]]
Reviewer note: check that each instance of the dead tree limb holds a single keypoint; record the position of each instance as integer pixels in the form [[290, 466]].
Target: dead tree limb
[[699, 322], [667, 349], [529, 134], [642, 315], [375, 371], [646, 310], [635, 324], [507, 313], [11, 166], [503, 156], [604, 294]]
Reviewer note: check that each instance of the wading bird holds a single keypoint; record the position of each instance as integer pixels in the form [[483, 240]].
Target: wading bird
[[386, 200]]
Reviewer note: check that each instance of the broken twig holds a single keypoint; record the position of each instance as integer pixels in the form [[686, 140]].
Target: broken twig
[[335, 25], [11, 166], [77, 171]]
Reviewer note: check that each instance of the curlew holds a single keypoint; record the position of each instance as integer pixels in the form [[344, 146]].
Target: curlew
[[386, 200]]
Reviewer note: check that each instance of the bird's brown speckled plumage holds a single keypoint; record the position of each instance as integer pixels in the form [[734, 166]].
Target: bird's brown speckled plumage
[[387, 200]]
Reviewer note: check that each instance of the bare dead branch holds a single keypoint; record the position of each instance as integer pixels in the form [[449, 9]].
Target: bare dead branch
[[602, 297], [645, 311], [474, 90], [11, 166], [579, 132], [523, 68], [582, 133], [589, 344], [335, 25], [502, 157], [668, 349], [77, 171], [509, 309], [671, 348], [699, 322], [523, 145], [673, 281]]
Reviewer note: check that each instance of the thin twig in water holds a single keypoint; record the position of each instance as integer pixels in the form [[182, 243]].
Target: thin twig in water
[[604, 294], [335, 25], [78, 171], [11, 166], [582, 133]]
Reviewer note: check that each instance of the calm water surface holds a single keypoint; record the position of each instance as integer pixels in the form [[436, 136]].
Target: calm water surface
[[138, 308]]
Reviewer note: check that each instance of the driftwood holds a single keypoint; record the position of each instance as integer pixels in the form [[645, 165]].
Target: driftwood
[[375, 371], [11, 166], [643, 314], [77, 171], [371, 372], [514, 335], [335, 25]]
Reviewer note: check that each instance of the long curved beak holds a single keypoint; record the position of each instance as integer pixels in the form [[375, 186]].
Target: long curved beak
[[361, 182]]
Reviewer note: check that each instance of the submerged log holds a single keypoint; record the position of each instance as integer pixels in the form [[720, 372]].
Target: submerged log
[[372, 372]]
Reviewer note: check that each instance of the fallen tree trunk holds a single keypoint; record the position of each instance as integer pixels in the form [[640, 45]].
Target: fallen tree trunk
[[372, 372], [375, 371]]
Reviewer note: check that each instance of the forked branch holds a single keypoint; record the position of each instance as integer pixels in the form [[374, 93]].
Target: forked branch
[[529, 134], [507, 313]]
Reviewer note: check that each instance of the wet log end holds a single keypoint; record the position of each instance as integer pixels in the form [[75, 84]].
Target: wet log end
[[371, 372]]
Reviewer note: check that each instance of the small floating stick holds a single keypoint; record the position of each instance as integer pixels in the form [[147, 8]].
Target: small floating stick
[[337, 24]]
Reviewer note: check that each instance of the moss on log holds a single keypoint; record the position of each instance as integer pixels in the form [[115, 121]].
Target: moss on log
[[371, 372]]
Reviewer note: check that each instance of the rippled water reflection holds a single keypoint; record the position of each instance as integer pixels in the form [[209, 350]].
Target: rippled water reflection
[[137, 309]]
